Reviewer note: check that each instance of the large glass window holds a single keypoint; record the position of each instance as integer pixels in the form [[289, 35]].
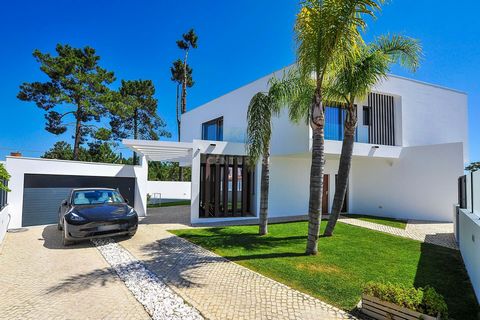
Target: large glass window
[[213, 130]]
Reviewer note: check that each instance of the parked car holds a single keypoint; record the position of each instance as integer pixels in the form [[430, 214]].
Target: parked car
[[95, 213]]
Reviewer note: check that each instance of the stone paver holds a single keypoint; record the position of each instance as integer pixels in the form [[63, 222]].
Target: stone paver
[[218, 288], [157, 298], [438, 233], [40, 279]]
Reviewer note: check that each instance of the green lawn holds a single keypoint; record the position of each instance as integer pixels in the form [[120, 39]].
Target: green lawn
[[391, 222], [345, 262], [170, 204]]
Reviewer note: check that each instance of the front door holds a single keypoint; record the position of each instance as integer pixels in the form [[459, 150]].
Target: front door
[[325, 194]]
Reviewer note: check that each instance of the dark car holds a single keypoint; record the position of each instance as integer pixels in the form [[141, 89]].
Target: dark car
[[95, 213]]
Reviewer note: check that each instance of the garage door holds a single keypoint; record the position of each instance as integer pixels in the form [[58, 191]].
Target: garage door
[[43, 194]]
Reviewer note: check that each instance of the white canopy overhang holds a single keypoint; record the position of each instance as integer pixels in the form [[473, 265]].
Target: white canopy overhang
[[162, 150]]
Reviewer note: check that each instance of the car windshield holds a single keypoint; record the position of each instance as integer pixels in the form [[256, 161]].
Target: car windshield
[[96, 197]]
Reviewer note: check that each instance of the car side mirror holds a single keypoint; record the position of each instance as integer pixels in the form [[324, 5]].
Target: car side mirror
[[64, 203]]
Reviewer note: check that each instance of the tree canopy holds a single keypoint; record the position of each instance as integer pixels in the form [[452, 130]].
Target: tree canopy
[[77, 84], [134, 113]]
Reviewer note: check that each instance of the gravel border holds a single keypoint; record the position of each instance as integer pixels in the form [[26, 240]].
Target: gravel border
[[157, 298]]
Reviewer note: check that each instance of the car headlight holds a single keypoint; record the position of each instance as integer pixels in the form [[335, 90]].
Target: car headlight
[[132, 212], [76, 217]]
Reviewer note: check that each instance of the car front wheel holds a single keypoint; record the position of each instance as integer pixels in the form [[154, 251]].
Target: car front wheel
[[65, 241]]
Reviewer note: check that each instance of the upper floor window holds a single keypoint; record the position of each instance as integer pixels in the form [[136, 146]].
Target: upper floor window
[[213, 130]]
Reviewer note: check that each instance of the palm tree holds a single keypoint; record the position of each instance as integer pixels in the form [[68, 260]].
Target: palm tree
[[259, 131], [188, 41], [326, 33], [354, 80], [261, 110]]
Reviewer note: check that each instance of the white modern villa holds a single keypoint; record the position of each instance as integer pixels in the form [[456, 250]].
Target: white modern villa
[[411, 146]]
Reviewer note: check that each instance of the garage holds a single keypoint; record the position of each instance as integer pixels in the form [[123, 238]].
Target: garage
[[43, 193]]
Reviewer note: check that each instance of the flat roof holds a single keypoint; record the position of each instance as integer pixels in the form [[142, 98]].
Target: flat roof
[[161, 150]]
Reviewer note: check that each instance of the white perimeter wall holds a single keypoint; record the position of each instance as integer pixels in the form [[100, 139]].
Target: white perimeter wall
[[421, 184], [17, 167], [469, 242], [170, 189]]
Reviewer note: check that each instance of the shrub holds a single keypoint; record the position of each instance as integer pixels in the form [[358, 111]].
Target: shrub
[[424, 300], [4, 176]]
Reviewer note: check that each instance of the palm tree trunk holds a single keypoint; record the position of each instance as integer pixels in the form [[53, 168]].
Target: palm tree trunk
[[343, 169], [178, 113], [316, 173], [135, 134], [264, 187], [179, 125]]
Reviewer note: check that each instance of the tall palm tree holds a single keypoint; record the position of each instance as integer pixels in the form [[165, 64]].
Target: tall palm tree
[[259, 131], [326, 32], [354, 80], [261, 110]]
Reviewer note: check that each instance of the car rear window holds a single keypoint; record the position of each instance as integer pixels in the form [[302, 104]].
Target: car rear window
[[85, 197]]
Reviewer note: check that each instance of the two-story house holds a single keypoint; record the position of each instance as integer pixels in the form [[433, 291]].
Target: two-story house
[[411, 146]]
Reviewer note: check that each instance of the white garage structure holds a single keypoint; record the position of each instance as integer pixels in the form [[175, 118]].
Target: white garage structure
[[39, 185]]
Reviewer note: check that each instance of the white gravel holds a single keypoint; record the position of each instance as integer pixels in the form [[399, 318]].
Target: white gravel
[[157, 298]]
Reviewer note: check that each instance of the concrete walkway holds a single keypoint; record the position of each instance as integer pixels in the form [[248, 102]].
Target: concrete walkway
[[218, 288], [40, 279], [438, 233]]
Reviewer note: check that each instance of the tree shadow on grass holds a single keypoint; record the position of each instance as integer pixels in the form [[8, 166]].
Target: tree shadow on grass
[[222, 238], [443, 269]]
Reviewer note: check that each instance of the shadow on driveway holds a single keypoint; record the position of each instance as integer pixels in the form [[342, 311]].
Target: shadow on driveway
[[52, 239]]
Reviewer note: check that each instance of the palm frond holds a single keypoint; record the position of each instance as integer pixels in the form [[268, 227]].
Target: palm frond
[[294, 92], [403, 50], [327, 32], [259, 126]]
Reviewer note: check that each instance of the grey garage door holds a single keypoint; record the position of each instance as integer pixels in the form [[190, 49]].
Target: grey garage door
[[43, 194], [40, 205]]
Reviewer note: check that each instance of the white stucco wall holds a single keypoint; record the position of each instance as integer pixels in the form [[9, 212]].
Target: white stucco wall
[[232, 106], [289, 184], [170, 189], [19, 166], [424, 114], [430, 114], [421, 184], [469, 243]]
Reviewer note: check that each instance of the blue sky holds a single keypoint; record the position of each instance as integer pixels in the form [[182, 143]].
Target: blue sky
[[239, 41]]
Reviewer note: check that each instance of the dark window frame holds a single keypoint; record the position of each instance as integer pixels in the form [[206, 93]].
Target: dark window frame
[[366, 115], [219, 129]]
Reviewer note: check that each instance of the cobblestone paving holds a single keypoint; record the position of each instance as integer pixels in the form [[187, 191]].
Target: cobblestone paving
[[40, 279], [218, 288], [157, 298], [437, 233]]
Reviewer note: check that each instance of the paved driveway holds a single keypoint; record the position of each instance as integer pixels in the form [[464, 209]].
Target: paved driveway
[[40, 279]]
